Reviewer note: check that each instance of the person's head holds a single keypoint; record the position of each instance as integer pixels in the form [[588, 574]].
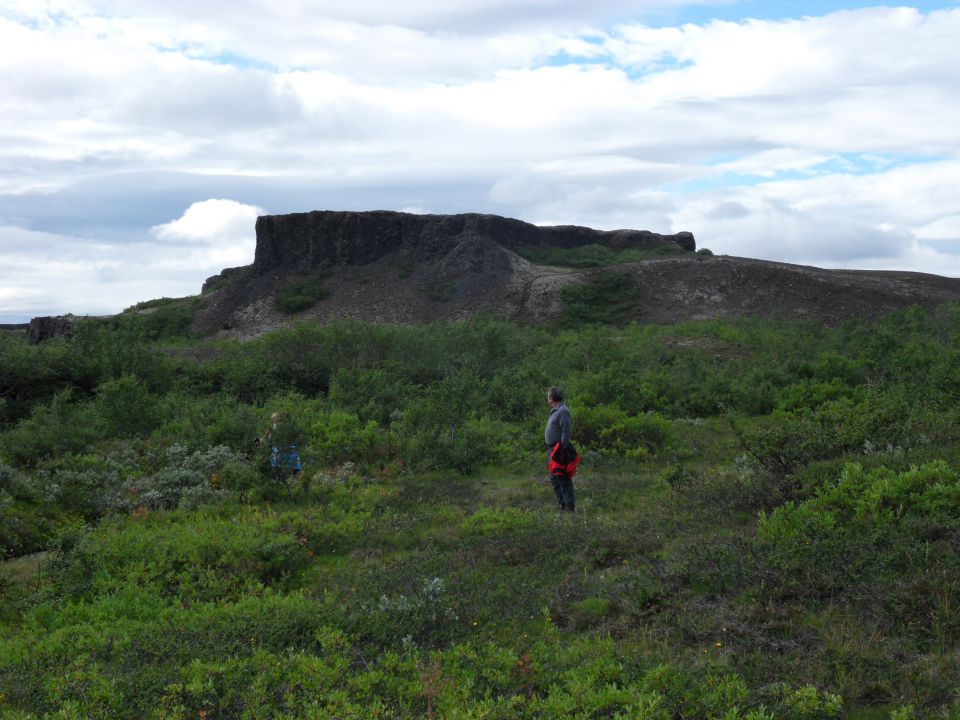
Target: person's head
[[554, 396]]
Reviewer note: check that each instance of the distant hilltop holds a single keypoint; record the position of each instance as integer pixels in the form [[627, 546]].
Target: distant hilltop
[[383, 266], [320, 239], [393, 267], [396, 267]]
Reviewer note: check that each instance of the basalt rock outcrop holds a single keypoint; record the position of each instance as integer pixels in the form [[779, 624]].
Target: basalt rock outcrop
[[397, 267], [403, 268], [212, 282], [319, 239], [44, 328]]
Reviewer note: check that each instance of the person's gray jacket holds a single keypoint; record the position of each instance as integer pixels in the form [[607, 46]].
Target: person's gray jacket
[[559, 426]]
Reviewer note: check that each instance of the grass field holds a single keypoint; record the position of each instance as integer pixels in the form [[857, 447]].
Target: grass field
[[443, 595], [767, 525]]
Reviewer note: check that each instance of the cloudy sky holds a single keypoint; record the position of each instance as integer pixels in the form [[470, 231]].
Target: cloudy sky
[[139, 139]]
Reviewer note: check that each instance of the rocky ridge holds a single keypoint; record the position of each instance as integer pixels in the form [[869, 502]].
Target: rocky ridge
[[395, 267], [402, 268]]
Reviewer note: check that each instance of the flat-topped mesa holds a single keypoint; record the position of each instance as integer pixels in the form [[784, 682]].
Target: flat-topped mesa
[[323, 238]]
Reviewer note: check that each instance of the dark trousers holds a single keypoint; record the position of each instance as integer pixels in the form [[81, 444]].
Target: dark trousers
[[563, 489]]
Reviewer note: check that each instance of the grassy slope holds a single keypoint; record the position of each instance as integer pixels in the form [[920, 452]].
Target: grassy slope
[[641, 588], [683, 587]]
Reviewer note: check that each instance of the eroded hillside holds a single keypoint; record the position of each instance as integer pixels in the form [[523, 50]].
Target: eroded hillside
[[403, 268]]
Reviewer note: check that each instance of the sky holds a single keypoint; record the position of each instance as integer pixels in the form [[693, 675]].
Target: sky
[[140, 139]]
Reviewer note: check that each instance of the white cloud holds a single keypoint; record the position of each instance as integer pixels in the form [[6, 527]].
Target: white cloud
[[209, 222], [463, 16], [215, 232], [944, 228], [539, 109], [472, 100], [885, 220], [48, 273], [768, 163]]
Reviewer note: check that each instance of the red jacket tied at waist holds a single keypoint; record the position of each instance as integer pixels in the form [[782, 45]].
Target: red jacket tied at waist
[[563, 460]]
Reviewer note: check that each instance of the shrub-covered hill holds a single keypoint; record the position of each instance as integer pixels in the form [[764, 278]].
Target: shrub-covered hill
[[768, 522]]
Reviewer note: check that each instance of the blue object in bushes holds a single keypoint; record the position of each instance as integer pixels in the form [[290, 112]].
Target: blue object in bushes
[[287, 461]]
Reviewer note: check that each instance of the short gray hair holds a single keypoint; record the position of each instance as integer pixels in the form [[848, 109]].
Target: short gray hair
[[555, 394]]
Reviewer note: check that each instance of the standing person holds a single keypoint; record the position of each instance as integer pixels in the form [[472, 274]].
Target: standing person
[[562, 458], [284, 456]]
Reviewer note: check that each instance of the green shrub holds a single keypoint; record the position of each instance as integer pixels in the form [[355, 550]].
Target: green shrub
[[497, 521], [466, 445], [61, 427], [427, 615], [24, 528], [9, 595], [108, 349], [589, 611], [302, 293], [881, 497], [167, 317], [125, 656], [610, 429], [796, 438], [867, 527], [339, 436], [809, 703], [517, 395], [814, 394], [606, 297], [715, 695], [204, 558], [201, 421], [372, 393], [445, 428], [31, 375], [620, 383], [184, 478], [126, 407]]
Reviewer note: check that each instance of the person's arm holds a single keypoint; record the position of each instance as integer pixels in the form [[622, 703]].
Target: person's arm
[[565, 428]]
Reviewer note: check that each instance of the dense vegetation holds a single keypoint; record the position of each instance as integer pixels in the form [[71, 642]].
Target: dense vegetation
[[768, 521]]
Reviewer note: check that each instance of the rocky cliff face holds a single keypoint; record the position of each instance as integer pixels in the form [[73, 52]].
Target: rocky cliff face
[[321, 239], [397, 267], [44, 328], [403, 268]]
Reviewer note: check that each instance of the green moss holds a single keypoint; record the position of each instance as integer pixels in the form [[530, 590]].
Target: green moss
[[608, 297], [302, 293], [594, 255], [162, 319]]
